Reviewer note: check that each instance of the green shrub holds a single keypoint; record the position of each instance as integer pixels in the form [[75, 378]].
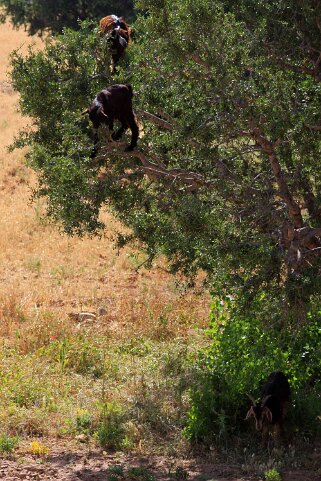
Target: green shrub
[[83, 421], [140, 474], [272, 475], [7, 443], [111, 432], [243, 352], [116, 472]]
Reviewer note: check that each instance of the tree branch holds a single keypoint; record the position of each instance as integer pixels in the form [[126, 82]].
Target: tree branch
[[313, 127], [157, 171], [268, 147], [155, 119]]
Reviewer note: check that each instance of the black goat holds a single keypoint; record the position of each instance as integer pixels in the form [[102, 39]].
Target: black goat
[[271, 410], [114, 103]]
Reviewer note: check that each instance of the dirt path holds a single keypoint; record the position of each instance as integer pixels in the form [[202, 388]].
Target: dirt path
[[94, 465]]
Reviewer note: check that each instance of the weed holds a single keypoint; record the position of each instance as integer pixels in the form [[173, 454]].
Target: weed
[[38, 449], [116, 472], [180, 474], [83, 421], [111, 432], [61, 273], [140, 474], [33, 264], [272, 475], [7, 443]]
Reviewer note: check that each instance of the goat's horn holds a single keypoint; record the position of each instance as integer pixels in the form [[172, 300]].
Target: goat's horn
[[251, 398], [85, 112], [101, 110], [266, 398]]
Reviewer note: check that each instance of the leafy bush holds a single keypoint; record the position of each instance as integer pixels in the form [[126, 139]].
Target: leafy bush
[[140, 474], [272, 475], [243, 352], [40, 15], [111, 432], [7, 443], [83, 421]]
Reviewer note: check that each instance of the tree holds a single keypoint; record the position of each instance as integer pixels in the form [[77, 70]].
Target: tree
[[226, 178], [54, 15]]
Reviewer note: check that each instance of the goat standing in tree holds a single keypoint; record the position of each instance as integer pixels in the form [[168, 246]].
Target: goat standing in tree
[[116, 30], [114, 103]]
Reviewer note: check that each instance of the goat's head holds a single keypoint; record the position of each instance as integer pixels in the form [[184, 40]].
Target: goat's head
[[261, 412], [117, 38], [96, 114]]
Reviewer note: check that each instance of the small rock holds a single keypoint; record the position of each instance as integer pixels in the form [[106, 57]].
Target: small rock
[[82, 438], [101, 311]]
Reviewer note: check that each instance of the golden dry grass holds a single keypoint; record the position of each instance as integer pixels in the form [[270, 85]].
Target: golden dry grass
[[45, 276]]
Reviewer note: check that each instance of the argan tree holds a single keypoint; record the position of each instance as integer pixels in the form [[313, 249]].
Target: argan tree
[[226, 178]]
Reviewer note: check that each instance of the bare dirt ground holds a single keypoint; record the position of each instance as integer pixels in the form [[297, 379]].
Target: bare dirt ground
[[41, 270], [90, 465]]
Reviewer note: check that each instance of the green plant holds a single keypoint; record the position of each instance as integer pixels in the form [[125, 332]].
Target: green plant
[[42, 15], [83, 421], [116, 472], [179, 474], [243, 353], [272, 475], [34, 264], [111, 431], [140, 474], [7, 443]]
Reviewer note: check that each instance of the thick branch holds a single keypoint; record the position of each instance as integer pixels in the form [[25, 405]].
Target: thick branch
[[155, 119], [313, 127], [269, 148], [197, 59], [159, 172], [313, 72]]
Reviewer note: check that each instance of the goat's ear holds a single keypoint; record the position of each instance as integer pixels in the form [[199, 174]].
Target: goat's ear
[[268, 414], [251, 398], [122, 41], [250, 413]]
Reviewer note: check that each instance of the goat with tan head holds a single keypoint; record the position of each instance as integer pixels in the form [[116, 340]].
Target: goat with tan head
[[271, 410], [117, 32]]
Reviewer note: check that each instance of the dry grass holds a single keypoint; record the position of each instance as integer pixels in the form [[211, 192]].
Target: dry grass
[[46, 279]]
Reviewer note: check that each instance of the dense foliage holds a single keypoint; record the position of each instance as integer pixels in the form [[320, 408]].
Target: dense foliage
[[54, 15], [243, 353]]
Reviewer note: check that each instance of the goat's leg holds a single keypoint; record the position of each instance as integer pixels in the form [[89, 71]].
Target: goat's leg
[[119, 132], [135, 132], [265, 435], [95, 147], [110, 137]]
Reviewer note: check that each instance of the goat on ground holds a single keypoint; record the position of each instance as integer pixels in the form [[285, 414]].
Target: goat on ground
[[116, 30], [114, 103], [271, 410]]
